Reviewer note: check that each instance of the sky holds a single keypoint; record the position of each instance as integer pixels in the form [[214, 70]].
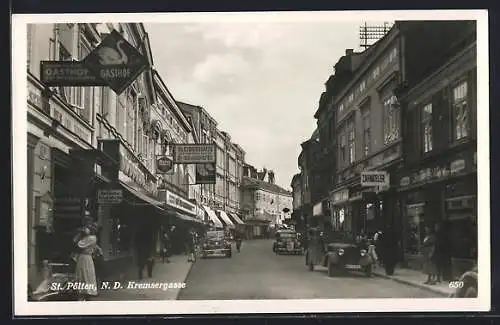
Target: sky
[[260, 81]]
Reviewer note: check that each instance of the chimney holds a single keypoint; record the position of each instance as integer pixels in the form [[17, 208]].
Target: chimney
[[270, 177], [349, 51]]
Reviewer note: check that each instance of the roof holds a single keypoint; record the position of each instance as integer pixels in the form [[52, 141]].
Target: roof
[[247, 181]]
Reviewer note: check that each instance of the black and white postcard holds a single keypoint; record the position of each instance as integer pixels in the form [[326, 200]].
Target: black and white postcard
[[272, 162]]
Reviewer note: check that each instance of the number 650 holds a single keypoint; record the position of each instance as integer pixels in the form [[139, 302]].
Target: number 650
[[456, 284]]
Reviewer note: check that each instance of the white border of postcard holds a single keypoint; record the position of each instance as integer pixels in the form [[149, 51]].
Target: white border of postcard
[[24, 308]]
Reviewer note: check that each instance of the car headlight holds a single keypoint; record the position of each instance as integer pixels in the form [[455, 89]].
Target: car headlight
[[363, 252], [340, 251]]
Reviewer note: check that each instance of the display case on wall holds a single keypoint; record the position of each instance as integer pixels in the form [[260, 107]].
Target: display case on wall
[[44, 216]]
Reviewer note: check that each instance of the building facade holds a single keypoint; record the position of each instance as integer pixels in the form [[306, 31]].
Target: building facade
[[263, 203], [296, 186], [360, 116], [87, 142], [438, 184], [221, 201]]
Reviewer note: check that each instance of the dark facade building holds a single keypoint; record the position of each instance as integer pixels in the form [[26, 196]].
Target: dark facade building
[[438, 183]]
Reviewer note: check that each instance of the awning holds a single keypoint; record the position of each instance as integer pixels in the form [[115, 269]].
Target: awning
[[142, 196], [236, 218], [226, 219], [213, 217], [187, 218]]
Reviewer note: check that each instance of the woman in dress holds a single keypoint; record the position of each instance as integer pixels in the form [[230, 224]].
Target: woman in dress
[[85, 269], [428, 251]]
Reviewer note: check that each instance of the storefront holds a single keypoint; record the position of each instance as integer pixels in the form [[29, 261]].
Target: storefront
[[443, 193], [341, 218]]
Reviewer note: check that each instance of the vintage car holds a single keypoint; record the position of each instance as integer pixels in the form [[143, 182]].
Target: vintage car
[[216, 243], [339, 253], [287, 242], [466, 285]]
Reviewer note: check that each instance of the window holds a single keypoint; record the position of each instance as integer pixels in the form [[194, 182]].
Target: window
[[130, 109], [350, 98], [30, 45], [366, 131], [414, 225], [391, 119], [105, 101], [394, 54], [342, 148], [341, 108], [427, 127], [352, 140], [460, 111], [121, 111], [376, 72], [362, 86]]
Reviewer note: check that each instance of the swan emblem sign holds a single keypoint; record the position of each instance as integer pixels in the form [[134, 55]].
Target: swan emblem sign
[[117, 62]]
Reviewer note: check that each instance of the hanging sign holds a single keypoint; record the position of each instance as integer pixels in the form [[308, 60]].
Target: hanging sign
[[116, 62], [374, 178], [163, 164], [194, 153], [205, 173]]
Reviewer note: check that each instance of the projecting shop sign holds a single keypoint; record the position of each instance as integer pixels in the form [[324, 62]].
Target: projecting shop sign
[[374, 178], [194, 153]]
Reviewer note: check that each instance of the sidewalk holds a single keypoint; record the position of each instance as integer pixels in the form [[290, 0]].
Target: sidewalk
[[176, 271], [416, 279]]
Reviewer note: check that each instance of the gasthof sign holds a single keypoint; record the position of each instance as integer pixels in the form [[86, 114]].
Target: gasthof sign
[[374, 178], [109, 196], [194, 154]]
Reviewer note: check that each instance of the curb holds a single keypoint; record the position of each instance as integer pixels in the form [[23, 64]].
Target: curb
[[413, 284], [184, 280]]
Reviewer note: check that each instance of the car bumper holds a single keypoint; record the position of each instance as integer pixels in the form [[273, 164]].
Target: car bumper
[[216, 252], [289, 251]]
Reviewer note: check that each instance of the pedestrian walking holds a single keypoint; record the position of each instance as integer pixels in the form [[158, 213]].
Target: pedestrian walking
[[85, 268], [428, 253], [144, 253], [191, 246], [238, 239], [442, 253], [390, 249], [165, 250], [378, 247]]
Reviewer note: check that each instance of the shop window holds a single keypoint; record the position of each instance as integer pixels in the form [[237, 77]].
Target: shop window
[[376, 72], [414, 228], [460, 106], [427, 127], [463, 236], [391, 119]]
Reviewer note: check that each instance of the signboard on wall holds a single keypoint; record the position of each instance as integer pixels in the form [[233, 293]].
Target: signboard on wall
[[205, 173], [180, 203], [374, 178], [109, 196], [67, 73], [194, 153]]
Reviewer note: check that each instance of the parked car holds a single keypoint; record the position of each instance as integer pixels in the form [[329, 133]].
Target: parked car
[[339, 252], [216, 244], [287, 242], [466, 285]]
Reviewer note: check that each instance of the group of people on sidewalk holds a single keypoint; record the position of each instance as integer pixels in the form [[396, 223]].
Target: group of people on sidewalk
[[385, 248]]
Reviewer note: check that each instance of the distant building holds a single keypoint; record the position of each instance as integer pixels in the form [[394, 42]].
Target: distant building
[[263, 202]]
